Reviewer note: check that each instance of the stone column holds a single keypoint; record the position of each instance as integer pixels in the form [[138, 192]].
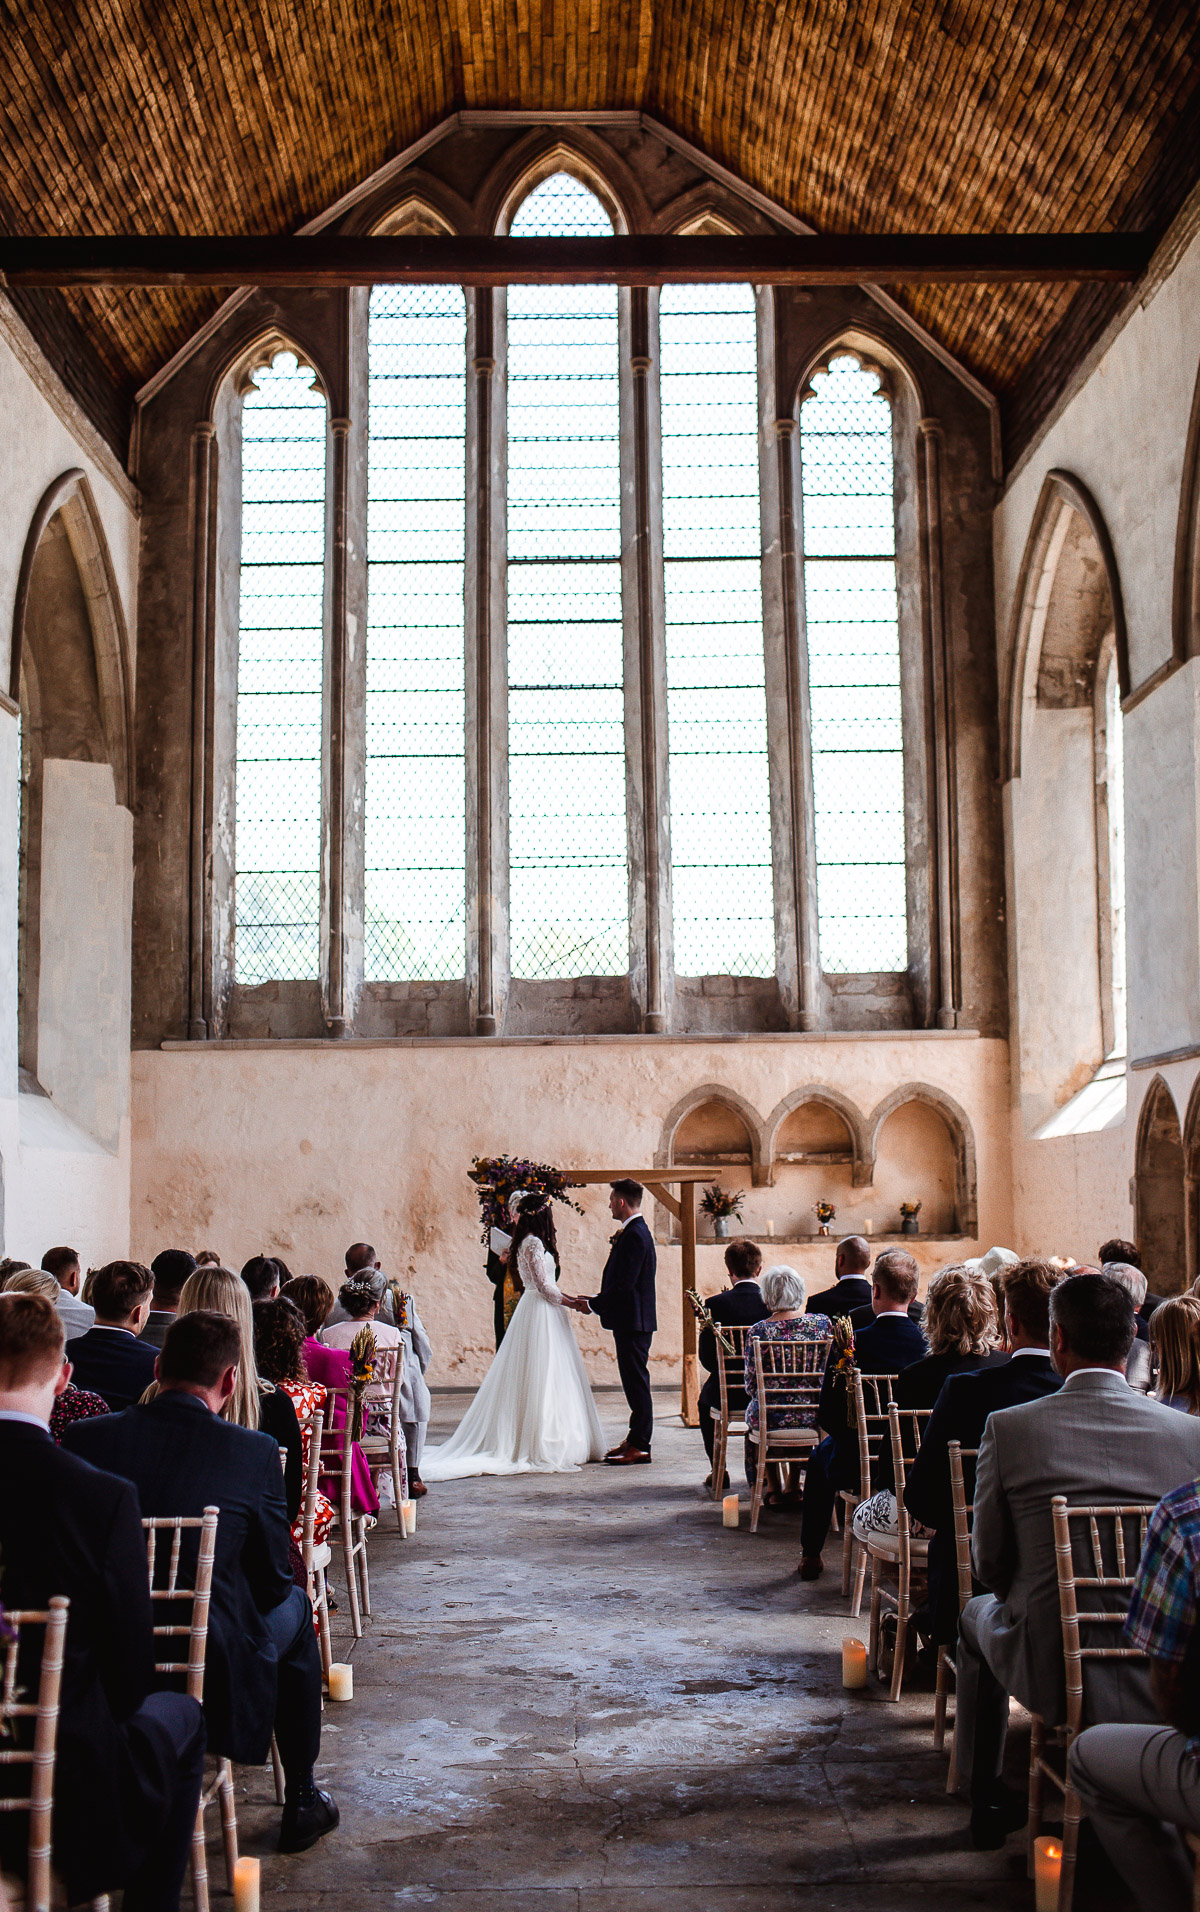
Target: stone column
[[204, 460], [334, 1004], [486, 672], [941, 680]]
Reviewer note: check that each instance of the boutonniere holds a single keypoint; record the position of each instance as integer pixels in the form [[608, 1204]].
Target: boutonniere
[[614, 1239]]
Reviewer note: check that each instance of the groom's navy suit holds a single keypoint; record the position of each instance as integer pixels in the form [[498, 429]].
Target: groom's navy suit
[[625, 1306]]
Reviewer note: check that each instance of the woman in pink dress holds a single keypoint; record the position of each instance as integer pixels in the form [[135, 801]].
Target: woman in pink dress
[[333, 1368]]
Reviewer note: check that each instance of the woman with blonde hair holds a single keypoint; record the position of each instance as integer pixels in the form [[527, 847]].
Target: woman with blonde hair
[[254, 1403], [32, 1281], [1175, 1343]]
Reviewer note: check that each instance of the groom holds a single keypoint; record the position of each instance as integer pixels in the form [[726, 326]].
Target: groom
[[625, 1306]]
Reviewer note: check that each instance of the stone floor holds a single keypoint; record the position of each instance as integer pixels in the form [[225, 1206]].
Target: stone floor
[[581, 1691]]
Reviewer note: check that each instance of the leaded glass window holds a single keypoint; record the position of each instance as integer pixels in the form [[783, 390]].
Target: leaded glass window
[[854, 669], [716, 693], [415, 875], [566, 747], [280, 653]]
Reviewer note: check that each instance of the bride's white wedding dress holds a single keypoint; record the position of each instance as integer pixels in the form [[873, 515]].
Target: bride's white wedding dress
[[534, 1413]]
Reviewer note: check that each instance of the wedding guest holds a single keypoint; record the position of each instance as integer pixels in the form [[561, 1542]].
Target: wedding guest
[[961, 1332], [362, 1307], [739, 1306], [64, 1264], [170, 1269], [851, 1283], [783, 1296], [1140, 1784], [363, 1264], [74, 1404], [109, 1359], [279, 1332], [209, 1258], [184, 1451], [1175, 1345], [128, 1761], [32, 1281], [254, 1402], [10, 1267], [333, 1368], [1129, 1253], [262, 1277], [1138, 1369], [892, 1341], [1094, 1441]]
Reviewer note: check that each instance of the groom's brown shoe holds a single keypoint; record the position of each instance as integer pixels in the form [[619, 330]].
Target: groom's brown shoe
[[614, 1453], [628, 1457]]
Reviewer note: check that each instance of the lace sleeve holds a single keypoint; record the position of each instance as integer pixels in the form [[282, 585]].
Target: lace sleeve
[[536, 1270]]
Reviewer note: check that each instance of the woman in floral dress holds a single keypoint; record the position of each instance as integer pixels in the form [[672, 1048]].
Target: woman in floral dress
[[783, 1292]]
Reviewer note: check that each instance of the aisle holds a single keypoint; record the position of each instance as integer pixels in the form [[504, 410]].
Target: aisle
[[580, 1692]]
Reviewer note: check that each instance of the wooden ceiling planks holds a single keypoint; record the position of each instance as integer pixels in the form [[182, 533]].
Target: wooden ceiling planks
[[859, 116]]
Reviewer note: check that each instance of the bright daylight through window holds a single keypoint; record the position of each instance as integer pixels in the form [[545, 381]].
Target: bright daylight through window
[[280, 654], [854, 670], [716, 697], [566, 743], [415, 875]]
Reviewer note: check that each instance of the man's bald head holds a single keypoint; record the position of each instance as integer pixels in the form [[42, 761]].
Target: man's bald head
[[360, 1255], [853, 1256]]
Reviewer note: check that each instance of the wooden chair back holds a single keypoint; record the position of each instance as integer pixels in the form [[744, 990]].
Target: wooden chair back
[[731, 1371], [906, 1425], [39, 1754], [1097, 1550], [169, 1587], [964, 1515], [788, 1376], [872, 1396]]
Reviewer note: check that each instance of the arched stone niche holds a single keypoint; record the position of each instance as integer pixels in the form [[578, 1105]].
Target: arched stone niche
[[1160, 1221]]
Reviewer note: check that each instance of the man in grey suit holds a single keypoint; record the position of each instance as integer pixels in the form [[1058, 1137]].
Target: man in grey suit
[[1095, 1440]]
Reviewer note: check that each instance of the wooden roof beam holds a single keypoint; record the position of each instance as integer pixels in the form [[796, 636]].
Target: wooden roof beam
[[336, 260]]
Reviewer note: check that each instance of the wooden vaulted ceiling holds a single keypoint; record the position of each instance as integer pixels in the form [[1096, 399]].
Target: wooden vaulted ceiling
[[209, 116]]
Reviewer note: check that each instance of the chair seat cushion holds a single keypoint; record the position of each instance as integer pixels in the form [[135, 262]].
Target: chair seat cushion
[[887, 1547], [322, 1555]]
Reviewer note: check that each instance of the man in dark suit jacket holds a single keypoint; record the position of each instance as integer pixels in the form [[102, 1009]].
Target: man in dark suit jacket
[[625, 1306], [109, 1359], [129, 1761], [851, 1284], [263, 1670], [170, 1270], [961, 1414], [892, 1342], [739, 1306]]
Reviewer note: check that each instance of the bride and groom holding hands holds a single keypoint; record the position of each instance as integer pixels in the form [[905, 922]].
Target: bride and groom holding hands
[[534, 1412]]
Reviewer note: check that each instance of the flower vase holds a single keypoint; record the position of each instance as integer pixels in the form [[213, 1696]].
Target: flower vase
[[721, 1228], [908, 1225], [822, 1228]]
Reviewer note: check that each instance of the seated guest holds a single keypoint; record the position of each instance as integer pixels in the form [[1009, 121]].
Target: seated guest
[[1095, 1440], [892, 1341], [32, 1281], [961, 1331], [170, 1270], [1175, 1346], [278, 1352], [333, 1368], [1129, 1253], [1140, 1785], [109, 1359], [182, 1453], [851, 1283], [361, 1305], [782, 1291], [254, 1403], [736, 1307], [64, 1265], [10, 1267], [961, 1413], [74, 1404], [262, 1277], [362, 1262], [209, 1258], [1138, 1369], [129, 1761]]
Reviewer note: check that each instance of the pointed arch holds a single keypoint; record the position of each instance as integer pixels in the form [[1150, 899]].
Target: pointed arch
[[593, 162], [966, 1193], [842, 1106], [1159, 1212], [737, 1105]]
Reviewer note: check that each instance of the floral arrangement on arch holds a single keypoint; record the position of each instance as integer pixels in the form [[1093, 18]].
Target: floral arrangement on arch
[[718, 1202], [498, 1178]]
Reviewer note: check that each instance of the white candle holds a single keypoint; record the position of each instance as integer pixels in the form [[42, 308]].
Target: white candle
[[869, 1226], [1047, 1869], [730, 1509], [245, 1885], [854, 1662], [341, 1681], [770, 1228], [408, 1509]]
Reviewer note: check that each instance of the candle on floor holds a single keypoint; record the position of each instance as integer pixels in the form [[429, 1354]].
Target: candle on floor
[[854, 1662], [245, 1885], [408, 1509], [730, 1509], [1047, 1867], [341, 1682]]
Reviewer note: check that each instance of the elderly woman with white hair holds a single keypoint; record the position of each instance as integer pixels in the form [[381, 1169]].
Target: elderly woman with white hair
[[783, 1292]]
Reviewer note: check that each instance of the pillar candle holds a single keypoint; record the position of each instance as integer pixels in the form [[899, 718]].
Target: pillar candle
[[869, 1226], [245, 1885], [408, 1509], [770, 1228], [1047, 1866], [854, 1662], [341, 1682], [730, 1509]]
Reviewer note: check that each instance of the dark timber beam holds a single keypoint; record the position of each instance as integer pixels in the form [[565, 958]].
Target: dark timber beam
[[322, 260]]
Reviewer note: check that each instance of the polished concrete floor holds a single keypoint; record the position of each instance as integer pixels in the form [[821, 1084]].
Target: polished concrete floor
[[581, 1691]]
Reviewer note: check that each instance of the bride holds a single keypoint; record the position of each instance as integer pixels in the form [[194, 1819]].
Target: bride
[[534, 1412]]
